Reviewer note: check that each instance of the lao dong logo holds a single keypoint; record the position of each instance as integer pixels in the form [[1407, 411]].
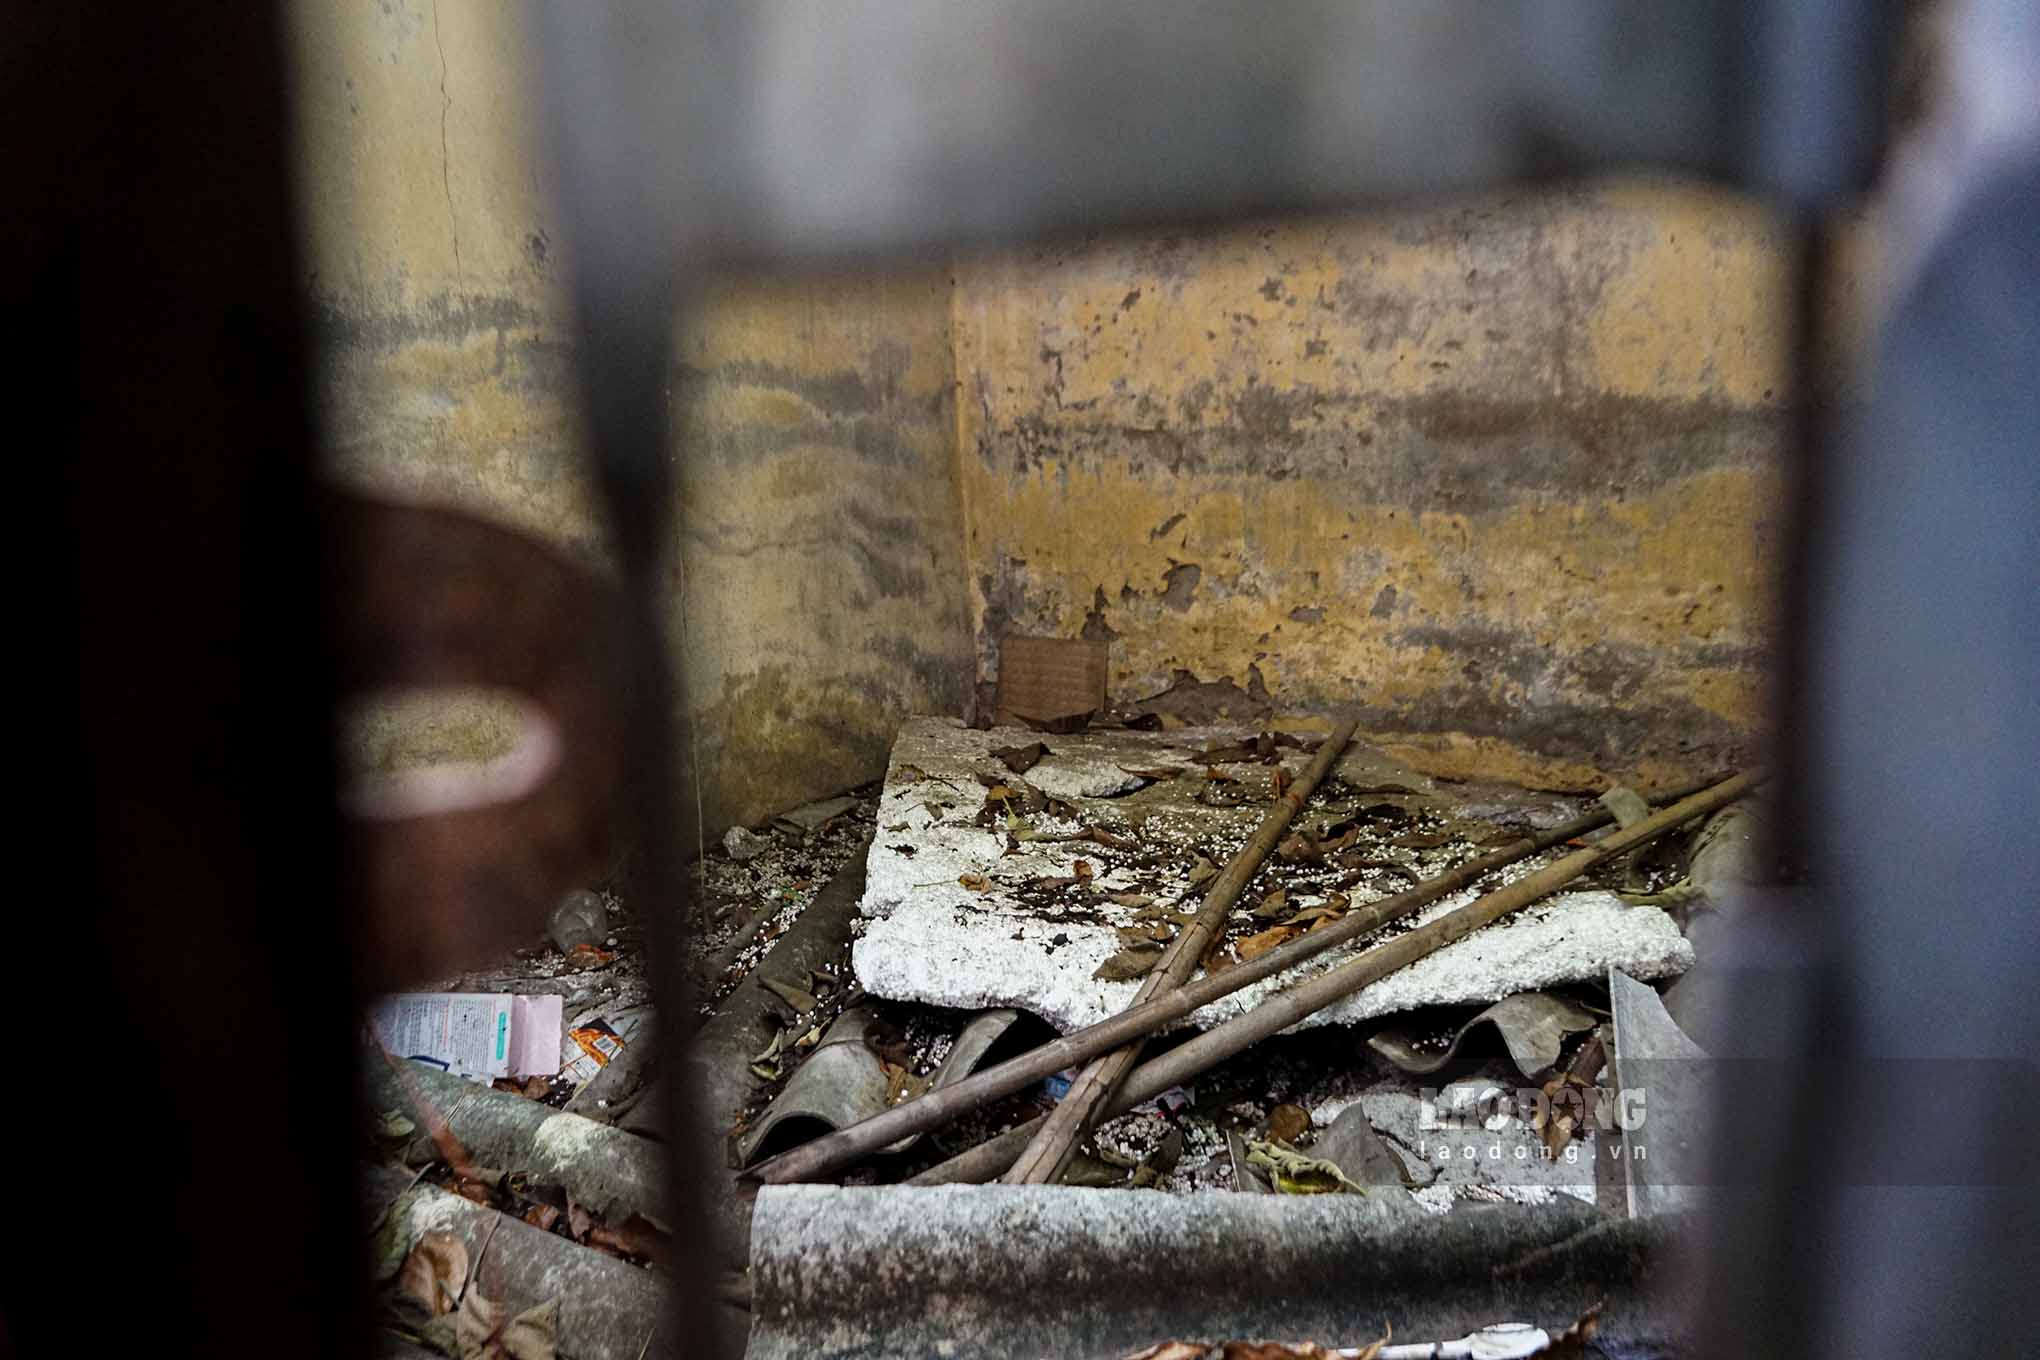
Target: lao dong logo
[[1472, 1122]]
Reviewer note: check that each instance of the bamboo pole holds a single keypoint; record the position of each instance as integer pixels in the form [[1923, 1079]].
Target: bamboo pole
[[1043, 1161], [1279, 1012], [846, 1146]]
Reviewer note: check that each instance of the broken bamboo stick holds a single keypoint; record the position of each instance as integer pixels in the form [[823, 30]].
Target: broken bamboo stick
[[937, 1108], [1197, 1056], [1050, 1152]]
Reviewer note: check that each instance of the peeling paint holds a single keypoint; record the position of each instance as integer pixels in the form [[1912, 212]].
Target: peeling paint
[[1464, 490]]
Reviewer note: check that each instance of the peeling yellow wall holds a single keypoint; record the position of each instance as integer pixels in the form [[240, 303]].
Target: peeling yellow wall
[[1499, 476], [821, 528], [818, 594]]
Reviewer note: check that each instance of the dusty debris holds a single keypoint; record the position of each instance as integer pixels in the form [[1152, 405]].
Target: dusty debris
[[810, 818], [744, 845], [997, 943], [1044, 1158]]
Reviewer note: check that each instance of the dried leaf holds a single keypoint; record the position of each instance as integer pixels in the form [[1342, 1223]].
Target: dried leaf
[[1130, 899], [1128, 964], [1170, 1350], [1273, 905], [1143, 937], [1259, 943], [1300, 848], [1021, 759], [480, 1330], [1202, 870], [1082, 869], [977, 883], [1293, 1173], [579, 1220], [541, 1216], [1571, 1344], [1331, 909], [474, 1190], [1287, 1123], [802, 1002], [435, 1273]]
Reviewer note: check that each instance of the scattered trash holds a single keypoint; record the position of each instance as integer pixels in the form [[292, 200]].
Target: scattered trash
[[1532, 1024], [595, 1038], [480, 1036], [744, 845], [582, 919]]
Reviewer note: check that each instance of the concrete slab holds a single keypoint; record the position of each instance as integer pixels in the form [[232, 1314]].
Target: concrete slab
[[966, 910], [970, 1271]]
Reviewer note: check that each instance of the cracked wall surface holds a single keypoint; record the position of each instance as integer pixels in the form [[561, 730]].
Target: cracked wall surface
[[1499, 476], [818, 593]]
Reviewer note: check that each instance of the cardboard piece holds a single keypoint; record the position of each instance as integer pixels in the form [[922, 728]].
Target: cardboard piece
[[1045, 679], [477, 1035]]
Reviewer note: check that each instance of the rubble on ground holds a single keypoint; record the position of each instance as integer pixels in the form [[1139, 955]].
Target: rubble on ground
[[1023, 907]]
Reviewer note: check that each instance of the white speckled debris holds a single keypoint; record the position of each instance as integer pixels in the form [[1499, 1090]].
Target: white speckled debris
[[933, 939]]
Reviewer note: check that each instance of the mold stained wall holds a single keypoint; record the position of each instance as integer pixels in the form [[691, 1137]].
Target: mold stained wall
[[1499, 476], [819, 593]]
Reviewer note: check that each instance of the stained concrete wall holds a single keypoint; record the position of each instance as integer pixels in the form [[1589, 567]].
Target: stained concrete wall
[[821, 528], [1500, 477], [818, 595]]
